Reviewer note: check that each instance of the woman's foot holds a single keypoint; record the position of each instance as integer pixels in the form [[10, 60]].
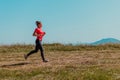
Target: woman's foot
[[45, 61]]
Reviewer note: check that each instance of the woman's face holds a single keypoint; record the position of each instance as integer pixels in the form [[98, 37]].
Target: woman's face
[[39, 25]]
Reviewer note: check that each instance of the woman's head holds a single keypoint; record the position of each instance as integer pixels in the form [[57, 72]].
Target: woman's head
[[39, 24]]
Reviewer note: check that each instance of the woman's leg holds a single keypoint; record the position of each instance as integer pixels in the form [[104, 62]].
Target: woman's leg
[[42, 52], [33, 51]]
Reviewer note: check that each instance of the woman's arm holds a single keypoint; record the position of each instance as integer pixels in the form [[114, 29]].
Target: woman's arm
[[35, 34]]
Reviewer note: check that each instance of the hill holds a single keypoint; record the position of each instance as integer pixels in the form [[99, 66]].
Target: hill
[[107, 41]]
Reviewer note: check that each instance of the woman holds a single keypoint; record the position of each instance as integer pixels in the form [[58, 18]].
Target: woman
[[39, 34]]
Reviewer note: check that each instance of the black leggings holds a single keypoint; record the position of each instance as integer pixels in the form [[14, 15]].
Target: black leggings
[[37, 47]]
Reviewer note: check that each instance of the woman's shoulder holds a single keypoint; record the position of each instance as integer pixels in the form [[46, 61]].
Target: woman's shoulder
[[36, 28]]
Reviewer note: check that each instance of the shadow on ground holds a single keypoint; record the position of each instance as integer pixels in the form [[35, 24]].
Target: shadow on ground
[[15, 64]]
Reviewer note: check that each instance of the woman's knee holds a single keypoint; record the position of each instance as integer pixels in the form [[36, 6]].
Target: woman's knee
[[36, 50]]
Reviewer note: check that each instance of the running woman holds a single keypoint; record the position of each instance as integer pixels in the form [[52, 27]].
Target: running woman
[[39, 34]]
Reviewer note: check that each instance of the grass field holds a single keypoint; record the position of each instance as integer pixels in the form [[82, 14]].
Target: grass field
[[66, 62]]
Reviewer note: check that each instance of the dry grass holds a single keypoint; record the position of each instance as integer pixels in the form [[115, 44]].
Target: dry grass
[[66, 62]]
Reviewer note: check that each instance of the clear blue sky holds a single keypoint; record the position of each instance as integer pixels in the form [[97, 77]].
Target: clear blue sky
[[65, 21]]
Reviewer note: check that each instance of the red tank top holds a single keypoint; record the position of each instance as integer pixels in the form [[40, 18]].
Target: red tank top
[[39, 31]]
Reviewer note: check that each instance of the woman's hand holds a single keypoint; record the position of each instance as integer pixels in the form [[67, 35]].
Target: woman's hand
[[44, 33]]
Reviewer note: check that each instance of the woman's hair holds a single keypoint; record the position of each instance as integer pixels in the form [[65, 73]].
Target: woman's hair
[[38, 22]]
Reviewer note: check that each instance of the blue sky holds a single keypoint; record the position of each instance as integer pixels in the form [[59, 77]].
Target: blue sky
[[64, 21]]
